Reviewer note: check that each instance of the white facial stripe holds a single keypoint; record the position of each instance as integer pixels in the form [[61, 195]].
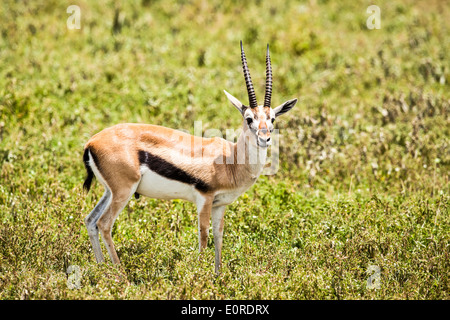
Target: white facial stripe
[[272, 114], [248, 113], [261, 116]]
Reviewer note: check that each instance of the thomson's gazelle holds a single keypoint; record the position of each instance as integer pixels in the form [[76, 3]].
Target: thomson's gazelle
[[158, 162]]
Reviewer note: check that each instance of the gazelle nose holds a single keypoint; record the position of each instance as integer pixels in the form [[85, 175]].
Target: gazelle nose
[[264, 142]]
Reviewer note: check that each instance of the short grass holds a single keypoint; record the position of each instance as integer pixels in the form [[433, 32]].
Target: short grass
[[364, 156]]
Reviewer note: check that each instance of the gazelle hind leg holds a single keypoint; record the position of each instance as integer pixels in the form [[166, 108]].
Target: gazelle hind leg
[[106, 221], [91, 224]]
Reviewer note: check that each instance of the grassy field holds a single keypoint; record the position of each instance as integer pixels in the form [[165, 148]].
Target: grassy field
[[363, 182]]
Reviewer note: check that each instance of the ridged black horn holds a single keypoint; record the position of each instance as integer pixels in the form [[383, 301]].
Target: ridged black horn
[[248, 80], [268, 94]]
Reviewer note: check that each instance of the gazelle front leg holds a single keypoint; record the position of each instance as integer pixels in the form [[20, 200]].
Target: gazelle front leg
[[218, 214], [204, 205]]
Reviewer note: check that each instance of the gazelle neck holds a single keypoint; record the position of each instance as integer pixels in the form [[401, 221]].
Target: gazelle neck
[[250, 158]]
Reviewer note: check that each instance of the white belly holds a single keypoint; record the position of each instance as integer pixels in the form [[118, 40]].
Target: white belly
[[153, 185], [226, 197]]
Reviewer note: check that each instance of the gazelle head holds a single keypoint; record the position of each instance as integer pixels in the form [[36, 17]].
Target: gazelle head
[[259, 118]]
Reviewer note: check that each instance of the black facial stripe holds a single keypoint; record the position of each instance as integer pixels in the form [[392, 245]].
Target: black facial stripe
[[170, 171]]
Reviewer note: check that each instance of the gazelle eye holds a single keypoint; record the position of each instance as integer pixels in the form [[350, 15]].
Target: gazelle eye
[[249, 120], [273, 119]]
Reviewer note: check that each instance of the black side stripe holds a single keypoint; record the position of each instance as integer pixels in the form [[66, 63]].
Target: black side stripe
[[170, 171]]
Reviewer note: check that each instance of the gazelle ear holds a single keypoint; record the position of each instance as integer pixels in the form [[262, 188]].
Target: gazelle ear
[[236, 102], [285, 107]]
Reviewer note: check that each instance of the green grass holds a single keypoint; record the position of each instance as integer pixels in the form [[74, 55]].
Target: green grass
[[364, 156]]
